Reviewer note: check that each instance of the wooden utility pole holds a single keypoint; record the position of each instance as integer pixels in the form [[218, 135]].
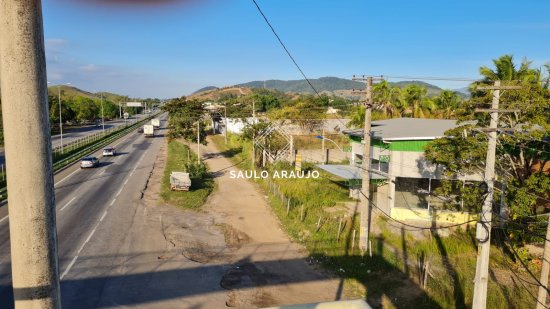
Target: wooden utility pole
[[541, 297], [483, 231], [253, 135], [31, 198], [365, 209]]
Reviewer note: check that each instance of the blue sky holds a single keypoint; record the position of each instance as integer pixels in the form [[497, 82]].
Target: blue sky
[[175, 48]]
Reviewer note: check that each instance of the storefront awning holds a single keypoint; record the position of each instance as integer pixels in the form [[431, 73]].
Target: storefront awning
[[350, 171]]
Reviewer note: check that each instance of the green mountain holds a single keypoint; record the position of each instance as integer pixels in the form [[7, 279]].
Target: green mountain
[[334, 85], [301, 86], [73, 92]]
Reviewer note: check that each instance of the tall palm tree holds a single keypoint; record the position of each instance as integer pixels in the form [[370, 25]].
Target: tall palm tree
[[447, 102], [506, 70], [417, 101], [386, 99]]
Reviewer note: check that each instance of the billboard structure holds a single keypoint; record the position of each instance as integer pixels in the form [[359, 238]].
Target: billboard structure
[[134, 104]]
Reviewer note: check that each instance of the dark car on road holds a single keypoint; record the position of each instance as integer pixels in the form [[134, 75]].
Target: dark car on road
[[140, 129], [89, 162]]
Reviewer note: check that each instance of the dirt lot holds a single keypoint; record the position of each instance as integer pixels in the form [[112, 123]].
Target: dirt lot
[[247, 259]]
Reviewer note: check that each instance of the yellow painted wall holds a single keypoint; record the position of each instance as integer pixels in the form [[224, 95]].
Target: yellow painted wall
[[445, 217]]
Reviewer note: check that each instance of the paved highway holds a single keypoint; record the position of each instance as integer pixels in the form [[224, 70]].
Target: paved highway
[[77, 133], [94, 207]]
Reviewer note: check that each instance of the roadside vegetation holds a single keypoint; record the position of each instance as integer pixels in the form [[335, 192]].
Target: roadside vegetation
[[181, 159], [321, 217]]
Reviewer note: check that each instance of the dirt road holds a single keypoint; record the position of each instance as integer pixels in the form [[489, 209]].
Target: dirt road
[[235, 251]]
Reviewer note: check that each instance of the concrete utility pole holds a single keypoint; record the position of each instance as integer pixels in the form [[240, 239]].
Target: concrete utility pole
[[31, 199], [225, 117], [60, 120], [483, 231], [199, 141], [366, 209], [102, 116], [541, 297], [253, 135]]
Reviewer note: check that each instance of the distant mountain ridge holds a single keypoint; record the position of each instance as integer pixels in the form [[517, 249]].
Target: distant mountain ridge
[[331, 85], [72, 92]]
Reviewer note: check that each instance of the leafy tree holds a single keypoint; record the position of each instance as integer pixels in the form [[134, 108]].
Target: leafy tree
[[523, 147], [86, 109], [305, 114], [67, 112], [183, 117]]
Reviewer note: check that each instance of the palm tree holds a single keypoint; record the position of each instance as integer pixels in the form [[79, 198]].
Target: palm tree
[[505, 69], [386, 99], [417, 101], [447, 102]]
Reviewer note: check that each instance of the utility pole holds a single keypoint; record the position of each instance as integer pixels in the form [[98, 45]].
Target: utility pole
[[31, 198], [60, 120], [323, 140], [225, 117], [253, 135], [366, 209], [102, 116], [541, 297], [199, 141], [483, 231]]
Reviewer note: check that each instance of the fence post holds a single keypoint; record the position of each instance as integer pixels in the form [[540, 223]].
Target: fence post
[[287, 206], [302, 213], [339, 230]]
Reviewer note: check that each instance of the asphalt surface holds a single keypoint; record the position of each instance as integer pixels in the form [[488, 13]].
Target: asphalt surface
[[77, 133], [94, 208]]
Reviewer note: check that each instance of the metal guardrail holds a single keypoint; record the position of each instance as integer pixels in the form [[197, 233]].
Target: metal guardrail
[[95, 142]]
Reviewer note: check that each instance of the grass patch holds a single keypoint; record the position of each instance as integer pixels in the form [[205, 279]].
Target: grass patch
[[178, 156], [391, 277]]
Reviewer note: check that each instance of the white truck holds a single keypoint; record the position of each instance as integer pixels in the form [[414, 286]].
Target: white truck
[[180, 181], [148, 130], [155, 122]]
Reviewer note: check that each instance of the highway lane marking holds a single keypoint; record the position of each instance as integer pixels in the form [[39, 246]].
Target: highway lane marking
[[65, 177], [73, 261], [78, 252], [118, 193], [122, 140], [102, 217], [67, 204], [3, 219]]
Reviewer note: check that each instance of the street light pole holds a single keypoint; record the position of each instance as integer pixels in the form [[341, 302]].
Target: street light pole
[[102, 118], [60, 120]]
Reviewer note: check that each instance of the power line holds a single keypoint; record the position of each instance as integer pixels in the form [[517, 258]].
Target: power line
[[457, 79], [284, 47]]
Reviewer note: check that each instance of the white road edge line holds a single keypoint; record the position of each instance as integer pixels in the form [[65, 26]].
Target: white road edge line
[[68, 268], [3, 219], [112, 202], [67, 204], [103, 217]]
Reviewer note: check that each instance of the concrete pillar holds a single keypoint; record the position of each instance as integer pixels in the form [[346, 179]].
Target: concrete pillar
[[31, 199]]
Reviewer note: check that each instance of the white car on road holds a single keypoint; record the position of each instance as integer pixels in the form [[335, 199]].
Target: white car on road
[[109, 151]]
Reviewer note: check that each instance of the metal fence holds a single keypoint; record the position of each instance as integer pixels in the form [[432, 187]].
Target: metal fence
[[75, 150]]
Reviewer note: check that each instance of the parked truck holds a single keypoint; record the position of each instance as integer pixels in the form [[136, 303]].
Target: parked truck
[[148, 130], [180, 181], [155, 122]]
